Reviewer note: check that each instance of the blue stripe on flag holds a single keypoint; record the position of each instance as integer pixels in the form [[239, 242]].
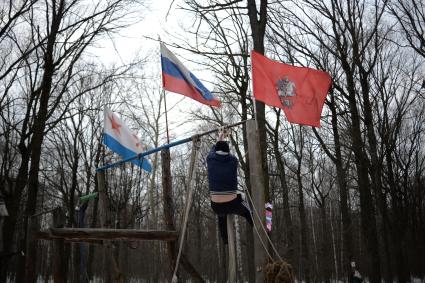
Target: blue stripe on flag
[[116, 147], [201, 88], [170, 68]]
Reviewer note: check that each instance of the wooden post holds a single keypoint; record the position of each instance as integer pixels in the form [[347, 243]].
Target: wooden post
[[232, 249], [110, 264], [103, 219], [257, 185], [59, 261], [168, 203], [3, 215], [169, 218], [102, 198]]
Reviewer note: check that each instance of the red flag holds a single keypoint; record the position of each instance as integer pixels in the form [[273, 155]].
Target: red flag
[[299, 91]]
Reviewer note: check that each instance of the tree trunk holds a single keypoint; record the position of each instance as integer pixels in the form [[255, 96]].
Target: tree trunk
[[305, 251], [343, 192], [12, 204], [398, 224], [376, 173], [326, 245], [368, 221], [289, 229], [37, 141]]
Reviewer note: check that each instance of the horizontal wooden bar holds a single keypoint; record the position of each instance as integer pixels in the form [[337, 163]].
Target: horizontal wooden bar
[[93, 234], [87, 241]]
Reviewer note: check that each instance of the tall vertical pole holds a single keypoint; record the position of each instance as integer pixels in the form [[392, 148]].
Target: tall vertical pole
[[167, 185], [168, 204], [165, 100], [102, 198], [257, 182], [110, 263], [166, 116], [83, 247], [232, 249], [103, 223], [59, 261]]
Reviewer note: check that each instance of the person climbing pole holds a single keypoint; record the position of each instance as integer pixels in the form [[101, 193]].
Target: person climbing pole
[[223, 182]]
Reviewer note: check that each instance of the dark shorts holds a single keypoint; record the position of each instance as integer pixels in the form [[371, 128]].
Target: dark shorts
[[236, 206]]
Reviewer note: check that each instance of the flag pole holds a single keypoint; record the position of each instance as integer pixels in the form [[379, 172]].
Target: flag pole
[[253, 97], [166, 115], [165, 99]]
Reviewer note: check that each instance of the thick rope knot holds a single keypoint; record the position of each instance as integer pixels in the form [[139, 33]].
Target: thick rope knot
[[278, 272]]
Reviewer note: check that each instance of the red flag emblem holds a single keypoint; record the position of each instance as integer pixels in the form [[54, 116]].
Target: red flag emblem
[[299, 91]]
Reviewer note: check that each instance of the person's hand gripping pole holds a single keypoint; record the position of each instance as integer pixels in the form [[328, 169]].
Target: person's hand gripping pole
[[223, 133]]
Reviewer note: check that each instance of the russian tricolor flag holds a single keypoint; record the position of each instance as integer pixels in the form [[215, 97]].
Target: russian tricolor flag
[[119, 138], [177, 78]]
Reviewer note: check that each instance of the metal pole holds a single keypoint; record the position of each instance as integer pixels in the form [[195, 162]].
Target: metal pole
[[165, 146]]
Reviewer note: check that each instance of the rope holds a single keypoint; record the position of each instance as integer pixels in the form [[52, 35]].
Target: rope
[[261, 241], [196, 144], [264, 230], [279, 271]]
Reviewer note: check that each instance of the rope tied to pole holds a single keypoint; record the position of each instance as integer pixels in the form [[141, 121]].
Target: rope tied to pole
[[279, 272], [196, 145], [274, 271], [264, 230]]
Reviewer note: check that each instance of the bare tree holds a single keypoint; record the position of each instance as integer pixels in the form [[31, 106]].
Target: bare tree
[[411, 18]]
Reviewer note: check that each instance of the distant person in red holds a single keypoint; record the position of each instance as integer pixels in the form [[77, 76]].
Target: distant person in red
[[223, 184]]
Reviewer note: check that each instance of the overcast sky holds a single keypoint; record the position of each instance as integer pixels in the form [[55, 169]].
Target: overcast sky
[[134, 40]]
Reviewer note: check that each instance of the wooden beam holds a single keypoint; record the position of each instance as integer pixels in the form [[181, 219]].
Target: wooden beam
[[91, 234], [257, 181], [167, 194], [60, 269], [110, 262], [232, 249], [87, 241]]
